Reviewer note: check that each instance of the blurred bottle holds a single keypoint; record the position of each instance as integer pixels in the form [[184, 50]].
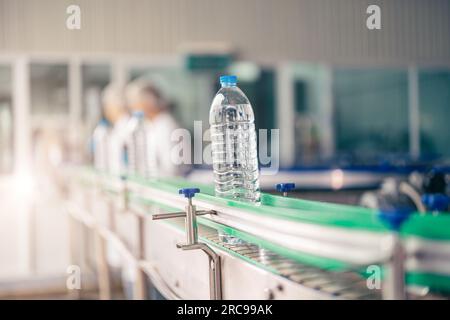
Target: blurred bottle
[[435, 181], [234, 149], [100, 145], [136, 146]]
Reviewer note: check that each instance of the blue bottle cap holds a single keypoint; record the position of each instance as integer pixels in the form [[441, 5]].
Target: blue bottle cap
[[104, 122], [228, 80], [138, 114]]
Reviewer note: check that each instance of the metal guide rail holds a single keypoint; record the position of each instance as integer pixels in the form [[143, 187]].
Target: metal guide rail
[[331, 258]]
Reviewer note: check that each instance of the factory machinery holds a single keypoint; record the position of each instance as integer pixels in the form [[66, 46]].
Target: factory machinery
[[169, 231]]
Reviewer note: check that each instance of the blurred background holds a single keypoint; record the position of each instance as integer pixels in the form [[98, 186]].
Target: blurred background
[[344, 97]]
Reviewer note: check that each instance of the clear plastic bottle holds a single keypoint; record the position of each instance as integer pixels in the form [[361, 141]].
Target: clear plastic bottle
[[136, 145], [100, 145], [234, 148]]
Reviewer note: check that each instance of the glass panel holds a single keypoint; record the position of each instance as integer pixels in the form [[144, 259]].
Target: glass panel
[[258, 84], [6, 121], [310, 111], [49, 89], [434, 101], [190, 93], [371, 111], [95, 77]]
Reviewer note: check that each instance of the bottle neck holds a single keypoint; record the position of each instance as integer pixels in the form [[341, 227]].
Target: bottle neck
[[228, 85]]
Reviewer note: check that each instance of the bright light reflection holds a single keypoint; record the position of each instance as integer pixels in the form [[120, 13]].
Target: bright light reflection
[[23, 185], [337, 179]]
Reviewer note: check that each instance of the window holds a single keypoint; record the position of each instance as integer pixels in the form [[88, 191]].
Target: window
[[434, 102], [312, 113], [190, 93], [371, 109], [258, 84], [49, 93], [95, 77]]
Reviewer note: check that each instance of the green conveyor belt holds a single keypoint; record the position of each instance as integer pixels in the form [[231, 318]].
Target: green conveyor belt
[[428, 226]]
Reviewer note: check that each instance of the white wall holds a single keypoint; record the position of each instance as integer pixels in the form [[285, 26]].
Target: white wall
[[266, 30]]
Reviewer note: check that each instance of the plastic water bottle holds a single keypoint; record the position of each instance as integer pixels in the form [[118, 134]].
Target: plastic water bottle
[[234, 150], [136, 146], [100, 145]]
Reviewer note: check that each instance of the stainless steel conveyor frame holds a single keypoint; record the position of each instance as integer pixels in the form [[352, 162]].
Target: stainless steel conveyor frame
[[302, 282]]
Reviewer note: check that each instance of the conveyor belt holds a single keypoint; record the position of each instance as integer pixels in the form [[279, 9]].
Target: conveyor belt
[[291, 231], [347, 285]]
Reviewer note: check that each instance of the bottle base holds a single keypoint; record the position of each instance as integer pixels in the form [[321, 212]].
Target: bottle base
[[242, 197], [229, 239]]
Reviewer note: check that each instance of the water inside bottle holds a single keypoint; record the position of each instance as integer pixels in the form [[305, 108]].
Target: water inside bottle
[[234, 148]]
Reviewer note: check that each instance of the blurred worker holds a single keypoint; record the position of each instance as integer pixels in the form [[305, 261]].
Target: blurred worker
[[115, 125], [136, 144], [115, 111], [144, 96]]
